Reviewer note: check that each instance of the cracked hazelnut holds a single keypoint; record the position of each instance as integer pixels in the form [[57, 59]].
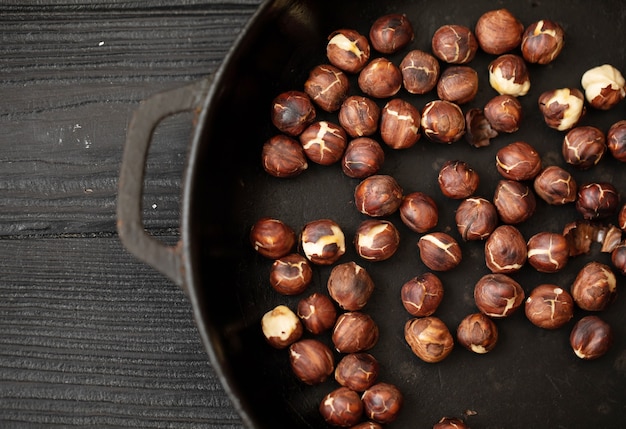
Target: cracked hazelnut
[[498, 31], [357, 371], [604, 86], [504, 113], [376, 239], [439, 251], [548, 252], [327, 86], [616, 140], [281, 327], [311, 361], [508, 75], [291, 274], [505, 250], [597, 200], [272, 238], [420, 72], [478, 130], [477, 333], [618, 258], [542, 41], [419, 212], [342, 407], [454, 44], [591, 338], [283, 156], [518, 161], [450, 423], [458, 84], [292, 112], [350, 285], [555, 186], [323, 241], [457, 179], [359, 116], [422, 294], [429, 338], [382, 402], [400, 124], [380, 78], [317, 313], [324, 142], [362, 158], [515, 202], [443, 121], [595, 287], [562, 108], [378, 195], [498, 295], [354, 332], [348, 50], [583, 147], [548, 306], [476, 218], [390, 33]]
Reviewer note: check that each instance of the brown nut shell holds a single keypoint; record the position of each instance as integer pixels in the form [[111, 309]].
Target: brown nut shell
[[390, 33], [342, 407], [376, 239], [518, 161], [439, 251], [429, 338], [311, 360], [595, 287], [348, 50], [378, 195], [362, 158], [382, 402], [357, 371], [542, 41], [317, 313], [350, 286], [354, 332], [549, 306], [454, 44], [422, 294], [548, 252], [291, 274], [272, 238], [283, 156], [505, 250], [591, 337], [498, 31], [327, 86], [419, 212], [498, 295], [477, 333], [420, 72]]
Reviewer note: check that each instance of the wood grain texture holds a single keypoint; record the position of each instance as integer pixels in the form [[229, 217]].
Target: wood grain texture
[[89, 336]]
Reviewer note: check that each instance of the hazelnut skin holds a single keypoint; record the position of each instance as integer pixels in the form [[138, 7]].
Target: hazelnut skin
[[505, 250], [378, 195], [291, 274], [292, 112], [594, 287], [454, 44], [342, 407], [549, 306], [283, 156], [618, 258], [380, 78], [458, 84], [616, 140], [542, 41], [272, 238], [317, 313], [439, 251], [583, 147], [400, 124], [515, 202], [518, 161], [443, 121], [478, 130], [591, 338], [597, 200], [376, 239], [419, 212], [324, 142], [562, 108], [281, 327], [477, 333], [323, 242], [348, 50], [548, 252], [498, 31], [390, 33], [604, 86], [476, 218], [357, 371], [350, 285], [420, 72], [504, 113], [359, 116], [457, 179], [422, 294], [498, 295], [327, 86], [555, 186], [429, 338], [354, 332], [362, 158], [311, 360], [508, 75], [382, 402], [450, 423]]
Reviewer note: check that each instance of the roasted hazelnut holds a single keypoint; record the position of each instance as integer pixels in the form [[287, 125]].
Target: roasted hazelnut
[[327, 86], [450, 423], [595, 287], [443, 121], [508, 75], [621, 218], [498, 295], [420, 72], [515, 202], [272, 238], [439, 251], [548, 306], [548, 252], [504, 113], [616, 140], [324, 142], [292, 112], [498, 31], [291, 274], [518, 161], [283, 156], [591, 338], [458, 84], [378, 195], [478, 130], [317, 313], [476, 218], [376, 239], [604, 86], [390, 33], [618, 258], [583, 147], [348, 50], [422, 294], [354, 332], [342, 407], [562, 108], [555, 186], [350, 285], [363, 157], [505, 250], [382, 402], [368, 425], [359, 116], [454, 44], [477, 333], [542, 41], [323, 242], [597, 200], [419, 212], [281, 327], [429, 338], [380, 78], [357, 371], [400, 124], [457, 179], [311, 360]]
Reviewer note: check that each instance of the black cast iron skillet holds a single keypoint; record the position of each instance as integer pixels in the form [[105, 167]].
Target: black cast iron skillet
[[531, 379]]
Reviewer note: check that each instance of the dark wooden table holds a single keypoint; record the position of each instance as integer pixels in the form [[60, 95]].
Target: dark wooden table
[[89, 336]]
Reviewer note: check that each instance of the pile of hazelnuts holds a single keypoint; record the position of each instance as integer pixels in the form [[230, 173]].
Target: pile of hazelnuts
[[350, 142]]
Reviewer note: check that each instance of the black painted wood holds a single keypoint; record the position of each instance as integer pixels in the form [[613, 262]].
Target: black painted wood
[[89, 336]]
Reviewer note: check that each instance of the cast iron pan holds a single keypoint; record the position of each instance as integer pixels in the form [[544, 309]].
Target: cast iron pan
[[531, 379]]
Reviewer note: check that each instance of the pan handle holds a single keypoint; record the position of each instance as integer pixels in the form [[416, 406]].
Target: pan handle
[[164, 258]]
